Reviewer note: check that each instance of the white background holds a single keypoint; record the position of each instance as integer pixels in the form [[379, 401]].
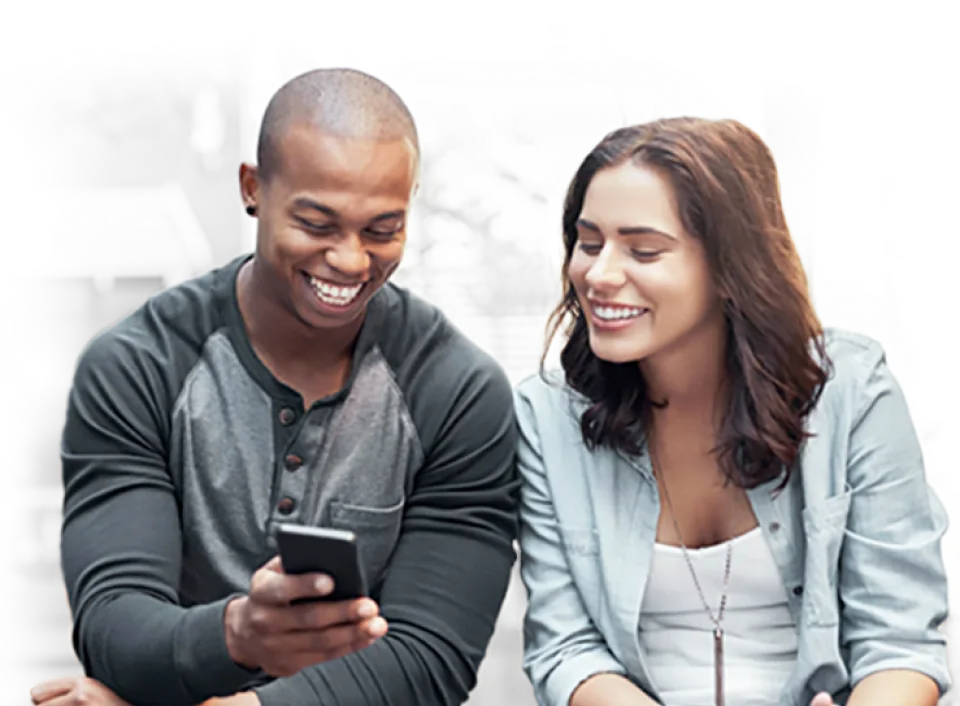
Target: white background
[[856, 149]]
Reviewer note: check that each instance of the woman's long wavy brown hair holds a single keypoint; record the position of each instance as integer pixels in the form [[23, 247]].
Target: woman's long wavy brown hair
[[728, 196]]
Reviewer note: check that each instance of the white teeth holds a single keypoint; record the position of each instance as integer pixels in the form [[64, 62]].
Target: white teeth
[[332, 294], [612, 313]]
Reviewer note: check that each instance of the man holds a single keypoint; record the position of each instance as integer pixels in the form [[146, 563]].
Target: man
[[295, 385]]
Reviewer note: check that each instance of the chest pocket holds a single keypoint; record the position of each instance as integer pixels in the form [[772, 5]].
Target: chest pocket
[[377, 530], [582, 549], [824, 524]]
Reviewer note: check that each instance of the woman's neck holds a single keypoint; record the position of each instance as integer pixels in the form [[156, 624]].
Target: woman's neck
[[690, 379]]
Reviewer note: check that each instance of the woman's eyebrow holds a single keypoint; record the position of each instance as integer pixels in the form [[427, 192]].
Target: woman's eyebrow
[[625, 230]]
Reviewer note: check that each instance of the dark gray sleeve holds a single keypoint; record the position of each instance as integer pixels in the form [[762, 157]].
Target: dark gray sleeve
[[449, 573], [120, 546]]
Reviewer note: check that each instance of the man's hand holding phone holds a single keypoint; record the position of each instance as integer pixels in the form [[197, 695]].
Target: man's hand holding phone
[[263, 630]]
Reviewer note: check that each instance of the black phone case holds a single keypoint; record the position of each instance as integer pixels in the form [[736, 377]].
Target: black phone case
[[338, 559]]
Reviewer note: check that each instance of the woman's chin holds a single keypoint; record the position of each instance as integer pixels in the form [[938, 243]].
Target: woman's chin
[[612, 353]]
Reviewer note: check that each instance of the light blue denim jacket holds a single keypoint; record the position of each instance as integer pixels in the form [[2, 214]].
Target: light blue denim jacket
[[856, 536]]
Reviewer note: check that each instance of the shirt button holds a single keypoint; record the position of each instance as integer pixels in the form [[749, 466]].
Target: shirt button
[[287, 416], [798, 590], [286, 506], [292, 462], [774, 526]]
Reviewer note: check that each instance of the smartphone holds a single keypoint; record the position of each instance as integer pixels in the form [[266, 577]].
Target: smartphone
[[321, 550]]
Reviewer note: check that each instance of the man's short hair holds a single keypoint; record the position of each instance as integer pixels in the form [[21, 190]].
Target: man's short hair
[[340, 102]]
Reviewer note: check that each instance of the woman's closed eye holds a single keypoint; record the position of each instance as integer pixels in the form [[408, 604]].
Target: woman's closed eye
[[641, 254]]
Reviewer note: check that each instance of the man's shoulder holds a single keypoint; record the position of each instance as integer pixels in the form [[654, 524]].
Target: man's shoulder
[[170, 324], [416, 333]]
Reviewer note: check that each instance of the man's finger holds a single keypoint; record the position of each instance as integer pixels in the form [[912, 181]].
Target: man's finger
[[274, 588], [60, 700], [330, 655], [313, 616], [822, 699], [49, 689], [318, 616], [328, 640]]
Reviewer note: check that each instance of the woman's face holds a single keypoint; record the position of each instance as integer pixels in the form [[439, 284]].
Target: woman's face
[[641, 279]]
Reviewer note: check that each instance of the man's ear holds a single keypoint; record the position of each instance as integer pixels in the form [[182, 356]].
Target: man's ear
[[249, 186]]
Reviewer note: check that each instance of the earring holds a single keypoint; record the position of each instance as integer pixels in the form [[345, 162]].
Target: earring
[[251, 210]]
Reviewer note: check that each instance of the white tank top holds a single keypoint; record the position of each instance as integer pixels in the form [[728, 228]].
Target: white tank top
[[760, 637]]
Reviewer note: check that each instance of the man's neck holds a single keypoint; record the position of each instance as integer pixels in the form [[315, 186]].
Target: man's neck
[[279, 337]]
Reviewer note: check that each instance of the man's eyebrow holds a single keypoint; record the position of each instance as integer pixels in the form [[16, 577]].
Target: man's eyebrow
[[304, 202], [625, 230], [389, 215]]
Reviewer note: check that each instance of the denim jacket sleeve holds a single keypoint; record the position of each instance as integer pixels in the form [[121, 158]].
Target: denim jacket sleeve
[[562, 646], [892, 584]]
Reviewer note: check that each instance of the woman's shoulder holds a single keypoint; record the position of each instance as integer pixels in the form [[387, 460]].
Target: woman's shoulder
[[546, 403], [852, 359], [548, 390], [858, 376], [850, 348]]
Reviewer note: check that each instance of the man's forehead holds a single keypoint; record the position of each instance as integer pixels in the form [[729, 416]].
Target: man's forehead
[[360, 131], [303, 139]]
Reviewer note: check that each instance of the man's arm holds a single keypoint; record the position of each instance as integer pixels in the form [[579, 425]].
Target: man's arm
[[450, 570], [121, 541]]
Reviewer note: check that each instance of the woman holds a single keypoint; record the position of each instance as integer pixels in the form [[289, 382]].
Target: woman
[[722, 503]]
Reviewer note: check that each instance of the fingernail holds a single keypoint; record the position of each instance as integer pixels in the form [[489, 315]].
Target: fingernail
[[324, 584], [366, 610], [377, 627]]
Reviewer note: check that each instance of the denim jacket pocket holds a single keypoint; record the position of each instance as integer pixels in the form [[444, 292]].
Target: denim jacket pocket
[[824, 525]]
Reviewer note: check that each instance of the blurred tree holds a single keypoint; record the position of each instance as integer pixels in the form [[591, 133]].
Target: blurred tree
[[509, 280], [471, 203]]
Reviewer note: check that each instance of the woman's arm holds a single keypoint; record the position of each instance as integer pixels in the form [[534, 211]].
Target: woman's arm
[[892, 585], [895, 687], [607, 689], [562, 646]]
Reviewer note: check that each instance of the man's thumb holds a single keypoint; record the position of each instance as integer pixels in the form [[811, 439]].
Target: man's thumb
[[274, 565]]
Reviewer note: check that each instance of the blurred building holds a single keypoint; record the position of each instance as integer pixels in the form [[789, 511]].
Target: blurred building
[[147, 176]]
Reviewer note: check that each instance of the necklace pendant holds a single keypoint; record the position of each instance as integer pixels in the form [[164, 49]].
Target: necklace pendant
[[718, 664]]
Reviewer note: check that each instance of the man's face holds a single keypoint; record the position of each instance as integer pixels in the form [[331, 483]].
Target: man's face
[[332, 222]]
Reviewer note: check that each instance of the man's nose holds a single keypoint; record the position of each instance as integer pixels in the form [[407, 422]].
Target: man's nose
[[348, 256]]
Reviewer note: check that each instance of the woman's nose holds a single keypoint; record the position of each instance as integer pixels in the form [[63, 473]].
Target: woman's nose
[[606, 272]]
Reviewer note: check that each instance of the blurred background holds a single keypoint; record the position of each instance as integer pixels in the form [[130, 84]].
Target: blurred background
[[122, 127]]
